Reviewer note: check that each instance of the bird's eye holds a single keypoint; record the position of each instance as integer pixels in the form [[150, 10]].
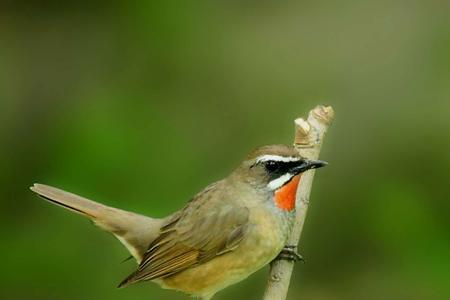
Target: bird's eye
[[272, 166]]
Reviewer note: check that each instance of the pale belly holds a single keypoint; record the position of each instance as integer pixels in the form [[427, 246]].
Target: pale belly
[[265, 239]]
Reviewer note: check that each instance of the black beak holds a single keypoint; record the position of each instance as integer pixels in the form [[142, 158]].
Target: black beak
[[306, 164]]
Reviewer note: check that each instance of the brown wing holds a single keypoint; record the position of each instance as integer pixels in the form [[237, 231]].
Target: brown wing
[[207, 227]]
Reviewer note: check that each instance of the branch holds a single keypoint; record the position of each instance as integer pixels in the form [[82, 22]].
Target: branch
[[308, 141]]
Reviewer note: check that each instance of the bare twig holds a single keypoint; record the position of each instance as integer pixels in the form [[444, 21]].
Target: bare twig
[[308, 140]]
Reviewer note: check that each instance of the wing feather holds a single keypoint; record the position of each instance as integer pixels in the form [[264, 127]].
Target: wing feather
[[197, 234]]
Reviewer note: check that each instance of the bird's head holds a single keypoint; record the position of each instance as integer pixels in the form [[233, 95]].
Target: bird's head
[[277, 170]]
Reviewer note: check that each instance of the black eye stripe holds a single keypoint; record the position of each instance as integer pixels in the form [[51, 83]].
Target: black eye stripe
[[276, 169]]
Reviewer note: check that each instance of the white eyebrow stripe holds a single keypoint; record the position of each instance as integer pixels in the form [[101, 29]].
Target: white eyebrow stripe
[[279, 182], [268, 157]]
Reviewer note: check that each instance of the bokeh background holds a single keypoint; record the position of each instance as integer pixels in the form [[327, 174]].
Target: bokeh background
[[140, 104]]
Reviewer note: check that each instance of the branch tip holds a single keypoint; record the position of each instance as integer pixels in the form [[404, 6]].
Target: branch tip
[[302, 126], [302, 132], [325, 114]]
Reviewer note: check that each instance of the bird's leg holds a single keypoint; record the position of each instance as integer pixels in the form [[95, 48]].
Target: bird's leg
[[289, 253]]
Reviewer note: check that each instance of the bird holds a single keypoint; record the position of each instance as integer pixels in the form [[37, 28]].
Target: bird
[[223, 234]]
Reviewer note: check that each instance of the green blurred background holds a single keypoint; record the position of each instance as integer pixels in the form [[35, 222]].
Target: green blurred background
[[141, 104]]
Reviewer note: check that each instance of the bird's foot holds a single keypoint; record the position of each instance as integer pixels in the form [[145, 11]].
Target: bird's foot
[[289, 253]]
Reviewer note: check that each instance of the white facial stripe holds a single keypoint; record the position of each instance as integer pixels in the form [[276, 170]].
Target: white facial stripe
[[280, 181], [264, 158]]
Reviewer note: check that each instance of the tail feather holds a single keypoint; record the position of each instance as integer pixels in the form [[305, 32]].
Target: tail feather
[[68, 200], [135, 231]]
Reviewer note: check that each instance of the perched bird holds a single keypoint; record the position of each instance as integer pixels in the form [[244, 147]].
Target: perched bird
[[223, 234]]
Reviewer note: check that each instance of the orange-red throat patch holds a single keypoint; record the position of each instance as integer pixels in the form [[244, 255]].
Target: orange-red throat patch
[[285, 196]]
